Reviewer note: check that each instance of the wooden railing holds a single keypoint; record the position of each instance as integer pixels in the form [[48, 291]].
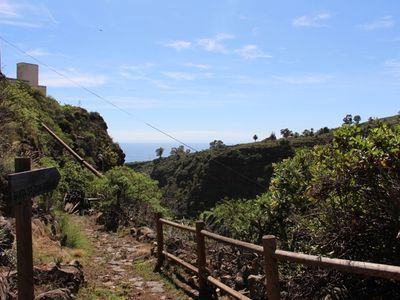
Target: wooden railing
[[271, 257]]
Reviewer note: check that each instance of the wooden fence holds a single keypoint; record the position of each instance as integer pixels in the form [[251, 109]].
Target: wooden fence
[[271, 257]]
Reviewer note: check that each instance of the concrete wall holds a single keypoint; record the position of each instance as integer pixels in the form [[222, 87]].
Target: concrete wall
[[29, 73]]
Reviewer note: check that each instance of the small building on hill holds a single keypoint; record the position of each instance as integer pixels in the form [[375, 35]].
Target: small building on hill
[[29, 73]]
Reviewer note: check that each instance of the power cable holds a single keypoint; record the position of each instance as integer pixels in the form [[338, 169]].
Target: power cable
[[121, 109]]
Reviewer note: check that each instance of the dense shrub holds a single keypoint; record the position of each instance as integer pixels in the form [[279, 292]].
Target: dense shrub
[[128, 197], [339, 200]]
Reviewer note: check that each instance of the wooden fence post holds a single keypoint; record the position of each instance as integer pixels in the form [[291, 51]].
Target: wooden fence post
[[160, 241], [201, 260], [23, 222], [271, 268]]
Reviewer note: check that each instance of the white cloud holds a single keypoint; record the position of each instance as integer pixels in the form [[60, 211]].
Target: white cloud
[[381, 23], [19, 23], [179, 75], [140, 72], [215, 44], [39, 52], [71, 77], [311, 21], [133, 102], [198, 66], [179, 45], [305, 79], [252, 52], [8, 10], [146, 65], [24, 14], [132, 76]]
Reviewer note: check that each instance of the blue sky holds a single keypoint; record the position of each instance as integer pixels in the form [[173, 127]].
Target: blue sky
[[205, 70]]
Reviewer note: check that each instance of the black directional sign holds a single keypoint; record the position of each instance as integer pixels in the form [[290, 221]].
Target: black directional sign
[[26, 185]]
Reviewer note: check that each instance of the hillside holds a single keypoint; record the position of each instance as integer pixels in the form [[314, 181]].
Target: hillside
[[193, 182], [22, 110]]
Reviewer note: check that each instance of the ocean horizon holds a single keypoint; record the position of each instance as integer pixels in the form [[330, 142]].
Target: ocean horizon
[[136, 152]]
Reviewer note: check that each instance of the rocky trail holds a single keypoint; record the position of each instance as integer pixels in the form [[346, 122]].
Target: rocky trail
[[120, 267]]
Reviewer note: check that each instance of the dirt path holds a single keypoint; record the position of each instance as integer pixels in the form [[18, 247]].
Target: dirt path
[[119, 267]]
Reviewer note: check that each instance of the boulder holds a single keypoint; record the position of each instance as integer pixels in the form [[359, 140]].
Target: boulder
[[8, 236], [65, 276], [133, 232], [58, 294], [4, 288], [100, 219], [256, 287], [145, 234]]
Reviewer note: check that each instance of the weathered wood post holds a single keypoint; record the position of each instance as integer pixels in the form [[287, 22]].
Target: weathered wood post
[[271, 268], [201, 260], [23, 186], [23, 222], [160, 241]]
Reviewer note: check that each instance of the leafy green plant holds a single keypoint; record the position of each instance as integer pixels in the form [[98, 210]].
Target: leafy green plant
[[340, 200], [71, 234], [128, 196]]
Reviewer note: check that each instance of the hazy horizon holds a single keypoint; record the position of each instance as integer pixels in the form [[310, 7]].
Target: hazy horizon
[[135, 152]]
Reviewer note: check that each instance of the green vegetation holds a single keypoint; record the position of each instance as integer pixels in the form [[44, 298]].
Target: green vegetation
[[332, 193], [23, 109], [71, 234], [159, 152], [128, 196], [339, 200], [97, 293], [194, 182]]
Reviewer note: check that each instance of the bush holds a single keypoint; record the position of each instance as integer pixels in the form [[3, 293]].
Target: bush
[[128, 197], [339, 200], [71, 234]]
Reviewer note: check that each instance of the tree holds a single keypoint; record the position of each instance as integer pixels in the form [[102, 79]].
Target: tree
[[322, 130], [286, 132], [159, 152], [272, 136], [357, 119], [127, 195], [348, 119], [217, 144], [255, 138], [177, 151]]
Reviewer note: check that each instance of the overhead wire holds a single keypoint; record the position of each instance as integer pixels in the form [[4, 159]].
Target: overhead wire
[[121, 109]]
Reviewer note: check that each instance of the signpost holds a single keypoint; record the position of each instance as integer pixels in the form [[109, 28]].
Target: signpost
[[23, 186]]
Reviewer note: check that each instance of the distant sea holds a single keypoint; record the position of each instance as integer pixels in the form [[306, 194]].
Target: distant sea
[[147, 151]]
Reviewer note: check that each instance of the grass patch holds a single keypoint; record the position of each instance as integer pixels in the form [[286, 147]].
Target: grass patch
[[71, 234], [144, 268], [101, 294]]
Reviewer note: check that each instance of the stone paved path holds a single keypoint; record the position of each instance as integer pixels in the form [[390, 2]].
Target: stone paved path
[[117, 268]]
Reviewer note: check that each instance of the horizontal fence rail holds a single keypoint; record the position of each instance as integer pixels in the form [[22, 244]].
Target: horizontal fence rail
[[271, 256], [350, 266], [233, 242]]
